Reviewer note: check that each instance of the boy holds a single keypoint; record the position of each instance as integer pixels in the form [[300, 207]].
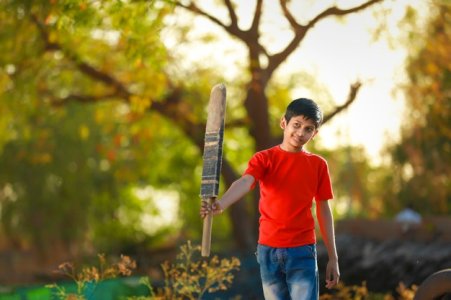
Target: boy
[[290, 178]]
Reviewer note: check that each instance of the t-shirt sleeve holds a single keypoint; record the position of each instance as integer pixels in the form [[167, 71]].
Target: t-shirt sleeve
[[256, 167], [324, 191]]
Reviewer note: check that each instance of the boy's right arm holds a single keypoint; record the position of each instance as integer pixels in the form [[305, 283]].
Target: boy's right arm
[[236, 191]]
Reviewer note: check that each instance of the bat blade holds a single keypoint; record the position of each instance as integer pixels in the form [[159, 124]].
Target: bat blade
[[214, 136]]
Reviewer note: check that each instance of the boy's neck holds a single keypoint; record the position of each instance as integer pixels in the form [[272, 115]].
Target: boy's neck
[[290, 149]]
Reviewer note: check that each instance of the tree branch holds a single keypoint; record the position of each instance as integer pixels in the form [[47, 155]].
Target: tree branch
[[335, 11], [300, 31], [195, 9], [82, 66], [353, 90], [232, 14], [289, 16], [277, 59], [169, 107], [58, 102], [248, 37], [257, 17]]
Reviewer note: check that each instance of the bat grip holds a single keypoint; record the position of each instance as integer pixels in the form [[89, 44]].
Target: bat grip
[[206, 233]]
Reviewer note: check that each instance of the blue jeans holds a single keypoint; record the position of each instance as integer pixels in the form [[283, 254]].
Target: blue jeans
[[288, 273]]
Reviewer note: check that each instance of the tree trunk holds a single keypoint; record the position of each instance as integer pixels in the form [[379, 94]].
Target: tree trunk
[[257, 107]]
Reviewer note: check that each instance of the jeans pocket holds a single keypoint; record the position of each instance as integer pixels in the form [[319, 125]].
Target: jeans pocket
[[312, 249]]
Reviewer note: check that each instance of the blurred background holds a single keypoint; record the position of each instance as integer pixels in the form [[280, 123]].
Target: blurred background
[[102, 119]]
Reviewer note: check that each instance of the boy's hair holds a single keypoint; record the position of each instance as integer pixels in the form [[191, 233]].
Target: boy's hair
[[305, 107]]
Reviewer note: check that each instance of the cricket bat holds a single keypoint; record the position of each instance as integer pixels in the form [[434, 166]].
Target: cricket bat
[[212, 158]]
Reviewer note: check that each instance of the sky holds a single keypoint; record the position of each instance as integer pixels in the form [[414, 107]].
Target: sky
[[337, 53]]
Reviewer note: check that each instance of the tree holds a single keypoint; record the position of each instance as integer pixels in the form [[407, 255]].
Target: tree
[[255, 100], [57, 55], [422, 158]]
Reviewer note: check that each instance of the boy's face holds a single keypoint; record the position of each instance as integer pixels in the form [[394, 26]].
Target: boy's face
[[297, 132]]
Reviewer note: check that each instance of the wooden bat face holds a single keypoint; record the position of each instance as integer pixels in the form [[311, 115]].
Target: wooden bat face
[[214, 135]]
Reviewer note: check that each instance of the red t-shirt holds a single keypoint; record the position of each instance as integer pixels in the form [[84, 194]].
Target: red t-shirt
[[288, 184]]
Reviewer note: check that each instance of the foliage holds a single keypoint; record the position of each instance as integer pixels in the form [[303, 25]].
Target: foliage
[[68, 170], [406, 293], [88, 277], [356, 182], [422, 158], [360, 292], [44, 168], [190, 277]]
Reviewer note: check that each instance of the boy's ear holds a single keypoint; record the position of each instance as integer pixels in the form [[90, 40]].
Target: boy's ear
[[315, 133], [283, 122]]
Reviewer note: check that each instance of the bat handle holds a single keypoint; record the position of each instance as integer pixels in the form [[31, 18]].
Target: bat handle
[[206, 233]]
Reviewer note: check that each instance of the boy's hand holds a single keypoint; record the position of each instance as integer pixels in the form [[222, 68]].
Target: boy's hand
[[205, 208], [332, 274]]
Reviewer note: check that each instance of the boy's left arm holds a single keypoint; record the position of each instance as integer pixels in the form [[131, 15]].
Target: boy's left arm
[[326, 225]]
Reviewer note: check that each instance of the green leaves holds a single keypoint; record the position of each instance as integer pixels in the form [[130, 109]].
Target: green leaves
[[68, 164]]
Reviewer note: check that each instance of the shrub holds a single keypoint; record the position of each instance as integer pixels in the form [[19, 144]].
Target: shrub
[[189, 277], [88, 277]]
